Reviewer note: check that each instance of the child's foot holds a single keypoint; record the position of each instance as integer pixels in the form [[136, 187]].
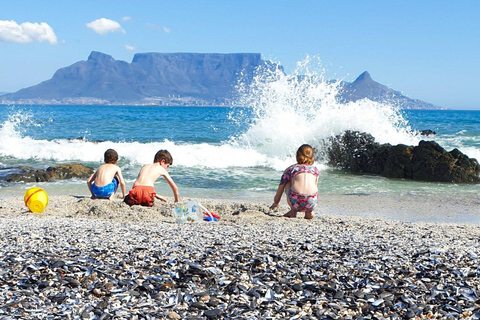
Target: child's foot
[[309, 215], [290, 214]]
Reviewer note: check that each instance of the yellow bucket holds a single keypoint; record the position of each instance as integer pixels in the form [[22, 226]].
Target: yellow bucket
[[36, 199]]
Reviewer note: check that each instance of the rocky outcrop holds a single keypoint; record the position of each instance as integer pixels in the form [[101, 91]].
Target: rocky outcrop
[[59, 172], [359, 153], [427, 132]]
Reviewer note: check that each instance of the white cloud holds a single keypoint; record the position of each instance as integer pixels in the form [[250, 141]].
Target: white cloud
[[103, 26], [26, 32], [126, 18], [129, 47], [158, 27]]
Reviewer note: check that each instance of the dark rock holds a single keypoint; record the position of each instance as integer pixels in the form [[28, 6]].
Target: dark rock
[[428, 132], [59, 172], [396, 161], [359, 153], [69, 171], [28, 174], [84, 139]]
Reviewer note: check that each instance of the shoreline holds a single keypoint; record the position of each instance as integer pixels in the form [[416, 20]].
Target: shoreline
[[405, 207]]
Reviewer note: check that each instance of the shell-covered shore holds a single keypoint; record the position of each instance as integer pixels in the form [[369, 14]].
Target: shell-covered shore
[[95, 259]]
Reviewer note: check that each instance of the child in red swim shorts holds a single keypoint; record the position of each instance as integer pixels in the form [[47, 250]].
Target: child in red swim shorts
[[143, 191], [299, 181]]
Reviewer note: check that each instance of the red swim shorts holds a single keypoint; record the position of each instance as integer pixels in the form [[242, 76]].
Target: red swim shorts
[[141, 195]]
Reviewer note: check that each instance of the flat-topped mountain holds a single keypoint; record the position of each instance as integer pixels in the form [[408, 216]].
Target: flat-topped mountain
[[207, 79], [151, 78]]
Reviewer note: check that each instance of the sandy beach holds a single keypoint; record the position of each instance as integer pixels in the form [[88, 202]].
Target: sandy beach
[[96, 259]]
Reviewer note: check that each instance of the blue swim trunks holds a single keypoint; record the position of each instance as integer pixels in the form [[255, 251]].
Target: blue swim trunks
[[105, 191]]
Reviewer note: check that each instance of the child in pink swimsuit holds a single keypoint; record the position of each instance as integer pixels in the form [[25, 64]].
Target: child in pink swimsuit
[[299, 181]]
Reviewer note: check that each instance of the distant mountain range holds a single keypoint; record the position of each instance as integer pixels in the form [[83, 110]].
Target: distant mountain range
[[206, 79], [365, 87]]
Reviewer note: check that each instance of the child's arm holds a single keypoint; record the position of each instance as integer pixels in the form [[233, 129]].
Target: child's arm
[[160, 198], [278, 196], [172, 185], [89, 183], [122, 182]]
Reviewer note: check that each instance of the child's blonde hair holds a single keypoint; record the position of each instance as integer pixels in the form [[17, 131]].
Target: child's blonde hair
[[305, 155]]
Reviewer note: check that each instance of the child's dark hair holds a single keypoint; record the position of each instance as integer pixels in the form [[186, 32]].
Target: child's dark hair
[[305, 154], [110, 156], [163, 155]]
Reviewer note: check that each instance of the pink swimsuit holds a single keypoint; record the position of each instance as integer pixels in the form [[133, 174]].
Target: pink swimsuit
[[299, 201]]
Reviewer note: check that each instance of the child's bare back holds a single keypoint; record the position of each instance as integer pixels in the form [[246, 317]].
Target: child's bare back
[[143, 191], [105, 181], [300, 183], [105, 174], [149, 174]]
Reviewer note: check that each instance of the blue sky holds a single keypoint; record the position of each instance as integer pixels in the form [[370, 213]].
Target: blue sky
[[429, 50]]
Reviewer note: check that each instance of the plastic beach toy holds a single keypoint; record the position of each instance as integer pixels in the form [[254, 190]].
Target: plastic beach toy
[[183, 214], [208, 218], [36, 199], [193, 211], [209, 215]]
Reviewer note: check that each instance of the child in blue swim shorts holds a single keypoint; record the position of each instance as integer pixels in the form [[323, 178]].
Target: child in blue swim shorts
[[299, 181], [104, 182]]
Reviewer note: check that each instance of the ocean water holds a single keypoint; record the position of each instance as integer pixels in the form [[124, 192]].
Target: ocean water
[[228, 153]]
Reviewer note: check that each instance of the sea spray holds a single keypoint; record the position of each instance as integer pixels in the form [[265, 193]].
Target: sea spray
[[289, 110], [212, 155], [277, 113], [283, 112]]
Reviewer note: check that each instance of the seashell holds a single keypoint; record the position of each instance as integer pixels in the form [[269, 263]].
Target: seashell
[[378, 302], [197, 305], [269, 295], [213, 270], [212, 313], [74, 283], [292, 311]]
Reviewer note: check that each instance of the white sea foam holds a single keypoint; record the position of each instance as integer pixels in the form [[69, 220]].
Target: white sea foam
[[467, 145], [290, 110], [471, 152], [287, 112], [16, 145]]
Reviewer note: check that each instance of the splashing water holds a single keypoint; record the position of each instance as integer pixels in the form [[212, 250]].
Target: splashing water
[[284, 111], [15, 122], [289, 110], [17, 145]]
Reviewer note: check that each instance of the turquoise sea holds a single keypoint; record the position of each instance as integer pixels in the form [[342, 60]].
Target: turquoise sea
[[231, 153], [214, 155]]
